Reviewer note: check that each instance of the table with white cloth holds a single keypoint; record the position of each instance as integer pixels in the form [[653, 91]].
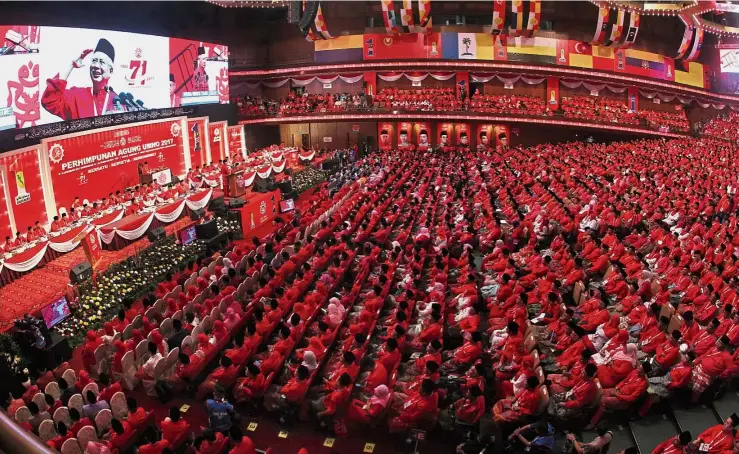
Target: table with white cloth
[[119, 234]]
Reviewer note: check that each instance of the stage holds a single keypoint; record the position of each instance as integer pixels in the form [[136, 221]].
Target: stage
[[35, 289]]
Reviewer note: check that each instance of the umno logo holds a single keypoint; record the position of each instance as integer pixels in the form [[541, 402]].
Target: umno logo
[[56, 153], [240, 181], [162, 178], [175, 130], [217, 135], [263, 207], [137, 69]]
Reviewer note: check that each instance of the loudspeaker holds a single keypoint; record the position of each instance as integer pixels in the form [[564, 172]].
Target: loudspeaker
[[196, 215], [217, 242], [218, 206], [80, 273], [207, 230], [264, 185], [285, 186], [236, 203], [156, 234]]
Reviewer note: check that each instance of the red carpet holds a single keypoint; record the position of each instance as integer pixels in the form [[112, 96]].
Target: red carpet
[[38, 288]]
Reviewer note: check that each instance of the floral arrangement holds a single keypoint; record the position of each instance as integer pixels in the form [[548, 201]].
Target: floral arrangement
[[308, 178], [230, 224], [99, 301], [11, 350]]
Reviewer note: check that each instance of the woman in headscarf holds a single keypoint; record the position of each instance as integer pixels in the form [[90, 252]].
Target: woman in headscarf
[[510, 387], [232, 319], [88, 351], [202, 283], [365, 412], [159, 341], [171, 307], [147, 326], [182, 301], [614, 344], [204, 344], [618, 367], [83, 379], [120, 350], [335, 312], [310, 361], [192, 292], [108, 333], [220, 332]]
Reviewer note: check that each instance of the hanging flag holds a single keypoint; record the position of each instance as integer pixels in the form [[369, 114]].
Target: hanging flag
[[499, 16], [534, 17], [632, 31], [697, 44], [320, 23], [616, 29], [406, 16], [424, 16], [685, 43], [602, 27], [516, 27], [388, 16]]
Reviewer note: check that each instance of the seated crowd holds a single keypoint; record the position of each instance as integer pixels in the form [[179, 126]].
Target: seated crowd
[[722, 127], [489, 291], [515, 104]]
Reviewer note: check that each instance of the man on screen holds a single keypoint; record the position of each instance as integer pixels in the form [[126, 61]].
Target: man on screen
[[71, 103], [423, 139], [199, 77], [174, 100]]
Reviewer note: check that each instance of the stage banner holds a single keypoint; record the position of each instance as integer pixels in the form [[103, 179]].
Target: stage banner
[[197, 130], [423, 135], [405, 129], [259, 209], [95, 163], [484, 137], [445, 135], [370, 83], [502, 136], [633, 97], [462, 134], [553, 93], [24, 187], [217, 135], [91, 246], [236, 141], [385, 135]]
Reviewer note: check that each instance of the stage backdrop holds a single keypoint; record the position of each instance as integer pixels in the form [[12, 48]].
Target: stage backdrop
[[197, 131], [23, 190], [218, 141], [236, 142], [92, 164]]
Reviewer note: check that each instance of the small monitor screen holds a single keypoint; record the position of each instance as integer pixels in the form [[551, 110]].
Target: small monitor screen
[[55, 312], [287, 205], [188, 235]]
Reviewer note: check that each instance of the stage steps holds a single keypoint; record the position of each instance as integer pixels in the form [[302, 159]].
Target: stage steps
[[622, 438], [726, 405], [695, 419], [652, 430]]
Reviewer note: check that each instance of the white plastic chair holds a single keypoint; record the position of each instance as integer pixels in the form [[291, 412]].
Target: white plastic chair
[[72, 446], [118, 406], [46, 430], [70, 377], [40, 400], [103, 420], [166, 327], [86, 435], [62, 415], [53, 390], [90, 387], [22, 414], [76, 402]]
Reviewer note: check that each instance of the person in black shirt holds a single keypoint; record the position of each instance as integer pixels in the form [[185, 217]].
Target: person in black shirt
[[175, 339]]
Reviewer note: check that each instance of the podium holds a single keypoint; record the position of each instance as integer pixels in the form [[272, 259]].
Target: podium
[[235, 183], [161, 176]]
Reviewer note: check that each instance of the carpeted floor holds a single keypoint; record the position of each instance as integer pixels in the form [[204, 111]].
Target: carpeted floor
[[36, 289]]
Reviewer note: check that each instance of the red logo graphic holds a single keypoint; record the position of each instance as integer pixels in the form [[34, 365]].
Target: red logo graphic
[[56, 153]]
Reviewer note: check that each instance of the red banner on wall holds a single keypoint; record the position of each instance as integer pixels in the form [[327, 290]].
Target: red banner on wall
[[217, 137], [502, 136], [95, 163], [445, 135], [485, 137], [423, 135], [462, 134], [25, 192], [402, 46], [463, 84], [405, 132], [236, 142], [553, 93], [385, 135], [5, 229], [197, 130], [633, 99], [91, 246], [370, 83]]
